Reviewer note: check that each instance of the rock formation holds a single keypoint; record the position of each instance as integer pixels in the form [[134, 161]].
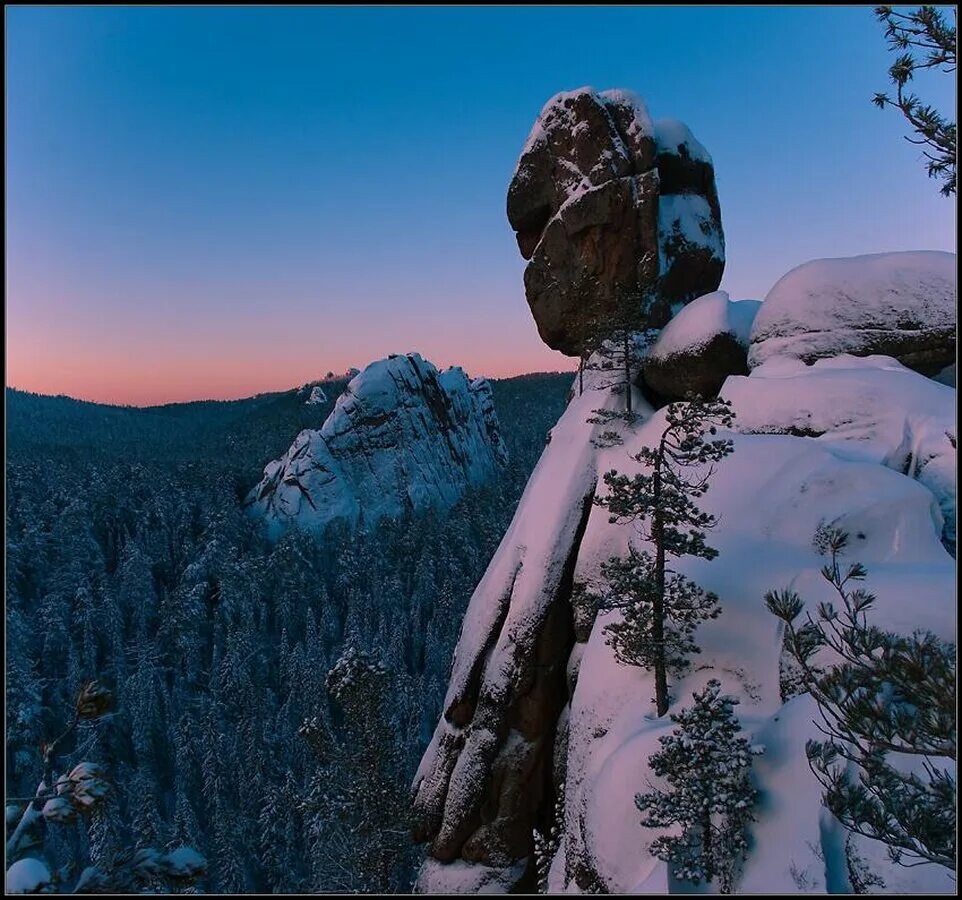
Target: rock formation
[[539, 709], [893, 304], [401, 438], [538, 705], [318, 397], [700, 347], [603, 201]]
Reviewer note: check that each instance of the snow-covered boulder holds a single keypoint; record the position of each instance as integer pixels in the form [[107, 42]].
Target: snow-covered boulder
[[892, 304], [700, 347], [691, 244], [28, 876], [537, 699], [604, 200], [402, 438]]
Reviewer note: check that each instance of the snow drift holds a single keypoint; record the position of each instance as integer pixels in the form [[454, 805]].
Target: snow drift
[[894, 304]]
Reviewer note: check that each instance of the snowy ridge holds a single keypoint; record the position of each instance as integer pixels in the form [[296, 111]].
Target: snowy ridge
[[402, 437]]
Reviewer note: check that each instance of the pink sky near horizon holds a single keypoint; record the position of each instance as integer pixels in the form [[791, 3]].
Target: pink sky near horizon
[[135, 366], [210, 202]]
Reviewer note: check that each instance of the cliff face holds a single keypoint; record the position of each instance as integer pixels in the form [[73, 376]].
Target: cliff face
[[540, 715], [402, 437]]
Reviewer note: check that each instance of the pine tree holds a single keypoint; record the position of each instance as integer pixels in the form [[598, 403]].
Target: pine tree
[[82, 793], [630, 586], [707, 766], [584, 323], [355, 789], [885, 694], [926, 41], [663, 500]]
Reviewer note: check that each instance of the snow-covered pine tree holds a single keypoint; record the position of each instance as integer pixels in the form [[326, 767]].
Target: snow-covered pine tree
[[707, 766], [662, 607], [71, 795], [354, 800], [886, 694]]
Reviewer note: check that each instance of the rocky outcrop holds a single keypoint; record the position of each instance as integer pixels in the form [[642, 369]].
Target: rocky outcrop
[[317, 397], [892, 304], [402, 438], [700, 347], [537, 703], [483, 782], [605, 202]]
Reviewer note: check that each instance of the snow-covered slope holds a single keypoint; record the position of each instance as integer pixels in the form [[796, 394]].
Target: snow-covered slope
[[537, 699], [402, 437]]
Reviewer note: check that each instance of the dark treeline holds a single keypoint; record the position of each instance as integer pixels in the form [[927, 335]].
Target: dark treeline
[[272, 701]]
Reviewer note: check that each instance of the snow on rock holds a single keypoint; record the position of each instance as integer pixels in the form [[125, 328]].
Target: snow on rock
[[870, 408], [492, 745], [184, 862], [896, 304], [318, 397], [598, 197], [401, 438], [813, 445], [703, 344], [28, 876], [675, 137], [466, 878]]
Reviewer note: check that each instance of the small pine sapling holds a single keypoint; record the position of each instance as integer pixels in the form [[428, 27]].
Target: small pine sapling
[[707, 765]]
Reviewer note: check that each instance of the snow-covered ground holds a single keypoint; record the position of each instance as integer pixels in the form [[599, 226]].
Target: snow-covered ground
[[770, 496]]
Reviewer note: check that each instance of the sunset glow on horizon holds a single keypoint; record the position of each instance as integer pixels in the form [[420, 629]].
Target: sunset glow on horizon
[[210, 203]]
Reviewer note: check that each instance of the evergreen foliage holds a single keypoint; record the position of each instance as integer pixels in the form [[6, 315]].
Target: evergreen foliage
[[129, 558], [661, 606], [924, 41], [81, 793], [707, 766], [887, 708]]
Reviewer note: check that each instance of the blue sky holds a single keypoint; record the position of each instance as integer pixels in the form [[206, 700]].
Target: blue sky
[[218, 201]]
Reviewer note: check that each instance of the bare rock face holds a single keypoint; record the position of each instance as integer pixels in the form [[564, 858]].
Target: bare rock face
[[402, 438], [603, 196]]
